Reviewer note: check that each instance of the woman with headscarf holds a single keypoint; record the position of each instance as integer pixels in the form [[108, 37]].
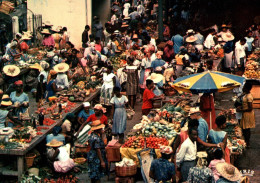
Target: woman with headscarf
[[5, 113], [19, 99], [96, 157], [51, 87], [98, 115]]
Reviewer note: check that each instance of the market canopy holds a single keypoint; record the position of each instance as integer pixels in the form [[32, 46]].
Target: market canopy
[[208, 82]]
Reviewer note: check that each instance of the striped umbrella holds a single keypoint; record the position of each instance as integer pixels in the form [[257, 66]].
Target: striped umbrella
[[208, 82]]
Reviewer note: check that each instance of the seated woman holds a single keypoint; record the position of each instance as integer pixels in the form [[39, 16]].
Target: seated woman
[[68, 127], [4, 112], [85, 113], [217, 135], [62, 162], [98, 115], [55, 135], [19, 99], [62, 78], [51, 87]]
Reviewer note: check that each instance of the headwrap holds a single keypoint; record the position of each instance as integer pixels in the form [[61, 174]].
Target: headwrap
[[56, 130], [19, 82], [100, 107], [86, 104], [165, 149], [69, 117]]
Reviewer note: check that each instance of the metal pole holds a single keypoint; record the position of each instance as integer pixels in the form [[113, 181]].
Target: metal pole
[[160, 19]]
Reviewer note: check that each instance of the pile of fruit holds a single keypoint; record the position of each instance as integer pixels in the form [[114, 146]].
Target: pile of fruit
[[48, 121], [251, 70], [145, 142], [159, 130]]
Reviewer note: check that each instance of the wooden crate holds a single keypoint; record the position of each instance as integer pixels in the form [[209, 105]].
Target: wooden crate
[[256, 94]]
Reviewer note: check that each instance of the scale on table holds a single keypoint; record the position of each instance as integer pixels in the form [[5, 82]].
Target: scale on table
[[6, 133]]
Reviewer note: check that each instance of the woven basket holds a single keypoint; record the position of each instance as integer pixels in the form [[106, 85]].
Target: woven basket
[[126, 171], [29, 158], [80, 161]]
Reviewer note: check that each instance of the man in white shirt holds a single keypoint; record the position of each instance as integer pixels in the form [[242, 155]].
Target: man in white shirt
[[240, 53], [209, 42], [186, 157]]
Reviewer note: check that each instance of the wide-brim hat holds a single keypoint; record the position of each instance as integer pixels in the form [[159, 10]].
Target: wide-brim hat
[[62, 67], [45, 31], [54, 143], [11, 70], [228, 171], [224, 26], [36, 66], [228, 37], [57, 29], [190, 31], [6, 101], [25, 37], [96, 125], [48, 23], [156, 78], [191, 39], [194, 110]]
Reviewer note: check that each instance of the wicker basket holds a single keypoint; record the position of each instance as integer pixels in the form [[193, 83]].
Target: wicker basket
[[126, 171], [82, 149], [29, 158], [80, 161]]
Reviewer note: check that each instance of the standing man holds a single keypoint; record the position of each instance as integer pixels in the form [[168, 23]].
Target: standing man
[[85, 36], [240, 53], [178, 42], [186, 157], [203, 126]]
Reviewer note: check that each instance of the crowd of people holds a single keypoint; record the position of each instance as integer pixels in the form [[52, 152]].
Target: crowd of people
[[149, 65]]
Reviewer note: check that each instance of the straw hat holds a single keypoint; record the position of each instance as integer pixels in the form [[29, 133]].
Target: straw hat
[[224, 26], [191, 39], [228, 171], [54, 143], [125, 25], [36, 66], [127, 18], [57, 29], [44, 64], [45, 31], [11, 70], [25, 37], [96, 125], [62, 67], [48, 23], [116, 32], [156, 78], [190, 31], [135, 36], [194, 110], [228, 36], [6, 101]]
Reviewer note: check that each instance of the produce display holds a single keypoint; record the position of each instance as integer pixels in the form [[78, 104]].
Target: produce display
[[145, 142], [159, 130], [251, 66]]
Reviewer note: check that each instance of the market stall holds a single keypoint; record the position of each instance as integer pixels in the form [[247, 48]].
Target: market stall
[[22, 148]]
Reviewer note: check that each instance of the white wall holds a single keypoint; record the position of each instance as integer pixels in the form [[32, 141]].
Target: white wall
[[66, 13]]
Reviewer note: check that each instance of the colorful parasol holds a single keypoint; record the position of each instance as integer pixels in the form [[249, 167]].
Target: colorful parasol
[[208, 82]]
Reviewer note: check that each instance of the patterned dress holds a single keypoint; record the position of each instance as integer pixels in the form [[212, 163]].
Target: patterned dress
[[95, 170], [119, 119], [200, 175], [132, 80]]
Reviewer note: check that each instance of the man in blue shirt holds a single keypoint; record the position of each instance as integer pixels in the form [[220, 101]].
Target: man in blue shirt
[[85, 113], [203, 126], [178, 42]]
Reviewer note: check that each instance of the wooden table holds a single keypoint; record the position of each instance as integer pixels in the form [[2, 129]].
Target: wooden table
[[20, 153]]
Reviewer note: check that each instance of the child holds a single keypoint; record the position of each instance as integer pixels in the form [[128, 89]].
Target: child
[[149, 97], [218, 158]]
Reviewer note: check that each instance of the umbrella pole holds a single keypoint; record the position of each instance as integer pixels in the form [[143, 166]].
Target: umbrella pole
[[210, 121]]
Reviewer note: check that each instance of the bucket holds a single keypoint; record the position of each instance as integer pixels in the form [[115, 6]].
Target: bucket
[[34, 171], [29, 159]]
